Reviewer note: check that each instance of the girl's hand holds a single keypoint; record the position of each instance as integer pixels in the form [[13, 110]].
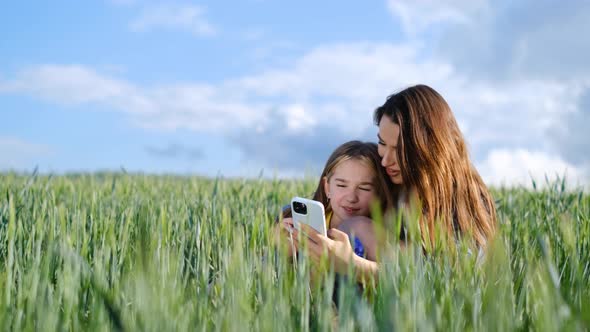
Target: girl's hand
[[283, 235], [336, 246]]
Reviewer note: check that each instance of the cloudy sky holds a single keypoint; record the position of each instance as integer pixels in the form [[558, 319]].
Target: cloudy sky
[[236, 88]]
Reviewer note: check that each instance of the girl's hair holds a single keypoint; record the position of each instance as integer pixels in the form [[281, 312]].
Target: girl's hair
[[362, 151], [433, 159]]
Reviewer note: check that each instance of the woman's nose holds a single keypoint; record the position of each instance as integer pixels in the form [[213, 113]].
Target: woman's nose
[[388, 159]]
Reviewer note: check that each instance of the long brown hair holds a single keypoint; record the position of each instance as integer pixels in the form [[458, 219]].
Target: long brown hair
[[433, 159], [362, 151]]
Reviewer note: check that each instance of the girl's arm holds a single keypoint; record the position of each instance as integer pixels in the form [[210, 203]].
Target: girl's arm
[[364, 269], [362, 228], [282, 235], [339, 252]]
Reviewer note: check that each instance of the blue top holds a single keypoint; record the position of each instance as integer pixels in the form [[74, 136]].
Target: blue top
[[357, 245]]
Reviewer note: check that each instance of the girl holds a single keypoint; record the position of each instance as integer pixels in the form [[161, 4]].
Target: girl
[[423, 151], [351, 181]]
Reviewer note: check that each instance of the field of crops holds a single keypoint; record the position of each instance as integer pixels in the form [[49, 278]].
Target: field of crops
[[134, 252]]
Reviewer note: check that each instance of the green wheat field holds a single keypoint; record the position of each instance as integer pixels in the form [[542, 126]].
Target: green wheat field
[[132, 252]]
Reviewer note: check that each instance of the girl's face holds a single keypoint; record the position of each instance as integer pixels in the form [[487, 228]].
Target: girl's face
[[351, 189]]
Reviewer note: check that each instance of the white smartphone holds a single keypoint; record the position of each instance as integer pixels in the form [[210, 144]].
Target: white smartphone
[[309, 212]]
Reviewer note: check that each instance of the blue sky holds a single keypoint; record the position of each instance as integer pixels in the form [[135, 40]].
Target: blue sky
[[234, 88]]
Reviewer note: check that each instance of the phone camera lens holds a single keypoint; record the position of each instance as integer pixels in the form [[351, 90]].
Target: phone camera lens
[[300, 208]]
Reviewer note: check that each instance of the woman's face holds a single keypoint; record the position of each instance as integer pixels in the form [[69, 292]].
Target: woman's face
[[351, 190], [388, 136]]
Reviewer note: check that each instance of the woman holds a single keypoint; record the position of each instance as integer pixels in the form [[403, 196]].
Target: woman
[[423, 150]]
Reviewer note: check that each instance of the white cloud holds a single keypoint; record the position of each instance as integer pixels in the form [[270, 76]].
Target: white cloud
[[75, 84], [253, 34], [176, 151], [333, 89], [502, 39], [298, 119], [342, 83], [18, 154], [178, 17], [521, 167], [347, 78], [533, 39], [337, 84], [199, 107], [418, 15], [123, 2]]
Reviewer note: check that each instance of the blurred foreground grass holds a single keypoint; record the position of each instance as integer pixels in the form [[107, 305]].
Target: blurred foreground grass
[[132, 252]]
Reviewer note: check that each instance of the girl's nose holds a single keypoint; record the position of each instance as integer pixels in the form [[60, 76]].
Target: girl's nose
[[352, 196]]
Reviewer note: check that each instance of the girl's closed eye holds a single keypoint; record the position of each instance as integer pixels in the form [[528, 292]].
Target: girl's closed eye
[[351, 189]]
